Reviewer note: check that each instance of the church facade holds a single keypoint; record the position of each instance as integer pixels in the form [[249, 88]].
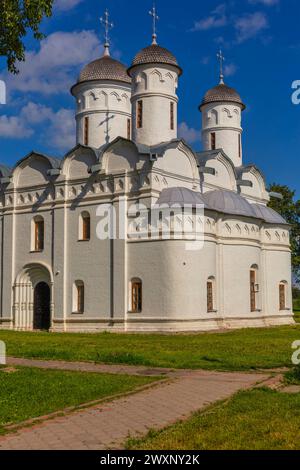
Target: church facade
[[57, 273]]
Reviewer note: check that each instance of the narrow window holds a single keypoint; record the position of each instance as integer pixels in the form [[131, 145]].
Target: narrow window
[[172, 116], [80, 297], [210, 296], [128, 129], [240, 145], [85, 229], [282, 296], [136, 296], [39, 235], [253, 290], [139, 114], [86, 131], [213, 141]]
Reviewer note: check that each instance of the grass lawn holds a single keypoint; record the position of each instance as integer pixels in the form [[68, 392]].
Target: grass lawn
[[260, 419], [235, 350], [30, 392]]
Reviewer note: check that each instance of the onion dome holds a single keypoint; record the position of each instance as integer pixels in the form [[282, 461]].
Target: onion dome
[[222, 93], [105, 68], [154, 54]]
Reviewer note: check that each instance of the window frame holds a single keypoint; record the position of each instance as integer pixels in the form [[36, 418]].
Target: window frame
[[84, 229], [136, 296], [38, 235], [79, 298]]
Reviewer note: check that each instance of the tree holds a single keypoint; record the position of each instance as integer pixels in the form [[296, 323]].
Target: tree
[[290, 211], [17, 18]]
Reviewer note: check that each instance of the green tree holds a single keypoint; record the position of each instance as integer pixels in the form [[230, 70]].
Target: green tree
[[17, 18], [289, 208]]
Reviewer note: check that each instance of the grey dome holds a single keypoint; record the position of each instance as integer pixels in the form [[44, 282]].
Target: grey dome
[[154, 54], [104, 68], [268, 215], [222, 93], [180, 196], [229, 202]]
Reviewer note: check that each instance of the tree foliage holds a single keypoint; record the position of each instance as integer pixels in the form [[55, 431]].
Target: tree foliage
[[289, 208], [17, 18]]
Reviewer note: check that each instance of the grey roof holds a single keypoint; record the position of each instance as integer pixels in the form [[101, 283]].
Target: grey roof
[[5, 171], [268, 215], [181, 196], [155, 54], [229, 202], [104, 68], [54, 162], [222, 93]]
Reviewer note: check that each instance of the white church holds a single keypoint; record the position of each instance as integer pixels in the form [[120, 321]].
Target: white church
[[58, 275]]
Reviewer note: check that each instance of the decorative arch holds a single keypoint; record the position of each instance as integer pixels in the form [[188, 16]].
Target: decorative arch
[[23, 294]]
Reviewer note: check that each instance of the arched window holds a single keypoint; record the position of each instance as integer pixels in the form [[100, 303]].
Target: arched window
[[128, 129], [78, 297], [85, 226], [136, 295], [210, 287], [37, 234], [254, 288], [282, 295]]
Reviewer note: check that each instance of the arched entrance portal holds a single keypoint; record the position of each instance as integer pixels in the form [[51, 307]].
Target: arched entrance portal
[[41, 307], [33, 298]]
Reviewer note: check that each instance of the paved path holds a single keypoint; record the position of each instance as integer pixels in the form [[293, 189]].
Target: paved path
[[108, 425], [89, 367]]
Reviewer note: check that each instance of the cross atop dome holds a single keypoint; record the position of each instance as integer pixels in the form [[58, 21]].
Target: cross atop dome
[[221, 59], [107, 25], [155, 17]]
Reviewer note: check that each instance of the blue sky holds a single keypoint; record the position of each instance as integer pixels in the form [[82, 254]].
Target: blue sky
[[260, 40]]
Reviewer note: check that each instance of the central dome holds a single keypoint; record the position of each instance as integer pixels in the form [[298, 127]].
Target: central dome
[[104, 68], [222, 93], [155, 54]]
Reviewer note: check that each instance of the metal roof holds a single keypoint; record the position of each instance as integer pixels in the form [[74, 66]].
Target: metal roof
[[155, 54]]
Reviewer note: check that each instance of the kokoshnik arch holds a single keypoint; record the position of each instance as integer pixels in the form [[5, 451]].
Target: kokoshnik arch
[[56, 274]]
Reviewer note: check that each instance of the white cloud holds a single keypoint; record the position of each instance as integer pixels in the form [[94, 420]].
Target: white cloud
[[56, 128], [13, 127], [268, 3], [230, 70], [249, 25], [189, 134], [216, 19], [65, 5], [52, 70]]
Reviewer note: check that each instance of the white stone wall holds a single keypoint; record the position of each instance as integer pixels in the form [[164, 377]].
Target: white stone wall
[[156, 86], [108, 107], [225, 120], [174, 278]]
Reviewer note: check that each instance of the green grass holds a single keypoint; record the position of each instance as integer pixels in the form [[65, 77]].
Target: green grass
[[293, 376], [260, 419], [235, 350], [296, 309], [30, 392]]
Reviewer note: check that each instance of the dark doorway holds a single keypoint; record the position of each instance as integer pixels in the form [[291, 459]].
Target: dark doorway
[[41, 318]]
